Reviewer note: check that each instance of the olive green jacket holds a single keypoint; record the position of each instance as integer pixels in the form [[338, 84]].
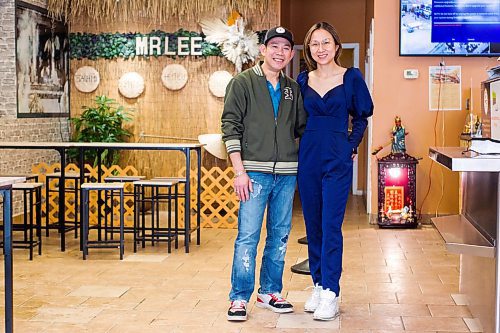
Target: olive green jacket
[[266, 144]]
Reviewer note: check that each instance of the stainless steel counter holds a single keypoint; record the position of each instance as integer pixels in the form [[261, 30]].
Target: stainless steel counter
[[458, 159], [474, 233]]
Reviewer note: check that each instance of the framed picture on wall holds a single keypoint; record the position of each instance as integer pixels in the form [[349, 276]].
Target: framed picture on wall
[[42, 63]]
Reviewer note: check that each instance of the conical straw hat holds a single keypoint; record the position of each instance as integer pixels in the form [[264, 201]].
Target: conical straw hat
[[214, 145]]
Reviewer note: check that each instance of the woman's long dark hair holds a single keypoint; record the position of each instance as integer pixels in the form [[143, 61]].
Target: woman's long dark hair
[[311, 64]]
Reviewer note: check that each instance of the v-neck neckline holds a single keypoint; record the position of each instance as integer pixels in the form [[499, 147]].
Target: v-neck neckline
[[330, 90], [323, 97]]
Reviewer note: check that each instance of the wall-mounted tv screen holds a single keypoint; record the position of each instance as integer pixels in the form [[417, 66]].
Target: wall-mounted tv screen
[[449, 28]]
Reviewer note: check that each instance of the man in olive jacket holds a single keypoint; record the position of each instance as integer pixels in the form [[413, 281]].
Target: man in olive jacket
[[263, 117]]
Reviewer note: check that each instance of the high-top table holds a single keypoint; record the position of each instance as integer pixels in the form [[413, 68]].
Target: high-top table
[[61, 148], [6, 192]]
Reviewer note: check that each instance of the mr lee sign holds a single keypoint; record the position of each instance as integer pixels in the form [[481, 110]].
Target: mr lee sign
[[153, 45]]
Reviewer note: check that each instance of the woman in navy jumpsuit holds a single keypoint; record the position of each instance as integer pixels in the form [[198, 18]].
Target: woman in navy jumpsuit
[[331, 93]]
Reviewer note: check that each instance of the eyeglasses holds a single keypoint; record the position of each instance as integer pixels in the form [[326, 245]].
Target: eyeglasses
[[325, 43]]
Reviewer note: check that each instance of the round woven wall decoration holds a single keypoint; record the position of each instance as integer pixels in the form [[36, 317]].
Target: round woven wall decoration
[[86, 79], [174, 77], [131, 85], [218, 81]]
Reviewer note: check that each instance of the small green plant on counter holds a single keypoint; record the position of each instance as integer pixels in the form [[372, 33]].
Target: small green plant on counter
[[102, 122]]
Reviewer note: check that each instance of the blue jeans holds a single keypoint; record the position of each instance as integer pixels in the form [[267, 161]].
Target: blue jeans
[[276, 193]]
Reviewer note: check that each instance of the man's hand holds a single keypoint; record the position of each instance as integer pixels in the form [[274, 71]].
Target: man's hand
[[243, 187], [242, 183]]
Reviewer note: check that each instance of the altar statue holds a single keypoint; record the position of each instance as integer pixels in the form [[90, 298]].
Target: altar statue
[[398, 137]]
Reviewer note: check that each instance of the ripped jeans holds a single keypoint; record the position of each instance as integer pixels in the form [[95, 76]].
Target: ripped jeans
[[276, 193]]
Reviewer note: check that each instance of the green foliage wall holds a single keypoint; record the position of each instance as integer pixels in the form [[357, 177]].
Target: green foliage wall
[[122, 45]]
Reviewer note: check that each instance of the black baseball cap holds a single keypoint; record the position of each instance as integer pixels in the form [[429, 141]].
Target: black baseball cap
[[279, 32]]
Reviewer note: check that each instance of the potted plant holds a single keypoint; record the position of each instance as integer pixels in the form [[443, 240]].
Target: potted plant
[[101, 123]]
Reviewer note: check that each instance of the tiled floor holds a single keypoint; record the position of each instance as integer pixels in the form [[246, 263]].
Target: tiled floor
[[393, 281]]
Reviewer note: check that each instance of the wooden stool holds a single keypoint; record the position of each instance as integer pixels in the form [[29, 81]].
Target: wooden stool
[[86, 244], [157, 233]]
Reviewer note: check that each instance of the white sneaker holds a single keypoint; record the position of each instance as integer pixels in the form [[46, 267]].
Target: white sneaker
[[274, 302], [237, 311], [328, 308], [313, 300]]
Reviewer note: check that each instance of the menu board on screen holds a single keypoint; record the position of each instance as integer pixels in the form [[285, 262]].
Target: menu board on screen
[[450, 28]]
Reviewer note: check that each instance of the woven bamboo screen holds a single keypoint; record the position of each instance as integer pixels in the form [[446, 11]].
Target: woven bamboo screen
[[185, 113]]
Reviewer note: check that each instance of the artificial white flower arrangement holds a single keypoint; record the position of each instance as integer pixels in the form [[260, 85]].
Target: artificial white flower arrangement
[[237, 44]]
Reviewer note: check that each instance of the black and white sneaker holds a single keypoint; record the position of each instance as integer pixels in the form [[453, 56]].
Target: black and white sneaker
[[237, 311], [274, 302]]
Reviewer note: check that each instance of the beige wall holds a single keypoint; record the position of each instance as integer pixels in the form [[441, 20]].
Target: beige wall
[[348, 17], [393, 95]]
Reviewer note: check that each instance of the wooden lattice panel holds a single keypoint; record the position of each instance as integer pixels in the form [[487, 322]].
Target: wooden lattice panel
[[219, 204]]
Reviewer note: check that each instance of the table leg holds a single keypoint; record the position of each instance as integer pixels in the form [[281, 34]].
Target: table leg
[[187, 209], [62, 200], [198, 199], [81, 159], [7, 221], [99, 201]]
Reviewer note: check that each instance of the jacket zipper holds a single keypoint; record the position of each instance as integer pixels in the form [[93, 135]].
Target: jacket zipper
[[276, 150], [276, 143]]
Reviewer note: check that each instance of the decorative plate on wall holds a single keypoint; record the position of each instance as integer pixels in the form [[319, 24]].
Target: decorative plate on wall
[[131, 85], [86, 79], [218, 82], [174, 77]]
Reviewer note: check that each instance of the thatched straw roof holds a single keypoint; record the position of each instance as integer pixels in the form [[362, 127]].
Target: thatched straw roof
[[158, 11]]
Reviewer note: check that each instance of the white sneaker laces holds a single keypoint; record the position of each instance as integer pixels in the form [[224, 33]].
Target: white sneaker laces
[[277, 297], [238, 304]]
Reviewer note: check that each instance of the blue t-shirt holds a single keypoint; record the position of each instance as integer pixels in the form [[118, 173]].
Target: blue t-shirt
[[275, 97]]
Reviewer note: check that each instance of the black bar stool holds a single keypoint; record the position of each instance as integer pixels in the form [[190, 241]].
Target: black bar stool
[[70, 176], [111, 229], [32, 217], [108, 187], [149, 191], [181, 195]]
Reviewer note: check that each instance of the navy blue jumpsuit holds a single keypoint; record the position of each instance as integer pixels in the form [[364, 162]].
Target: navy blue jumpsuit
[[325, 168]]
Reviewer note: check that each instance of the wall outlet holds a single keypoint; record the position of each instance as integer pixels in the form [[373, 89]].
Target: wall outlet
[[410, 73]]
